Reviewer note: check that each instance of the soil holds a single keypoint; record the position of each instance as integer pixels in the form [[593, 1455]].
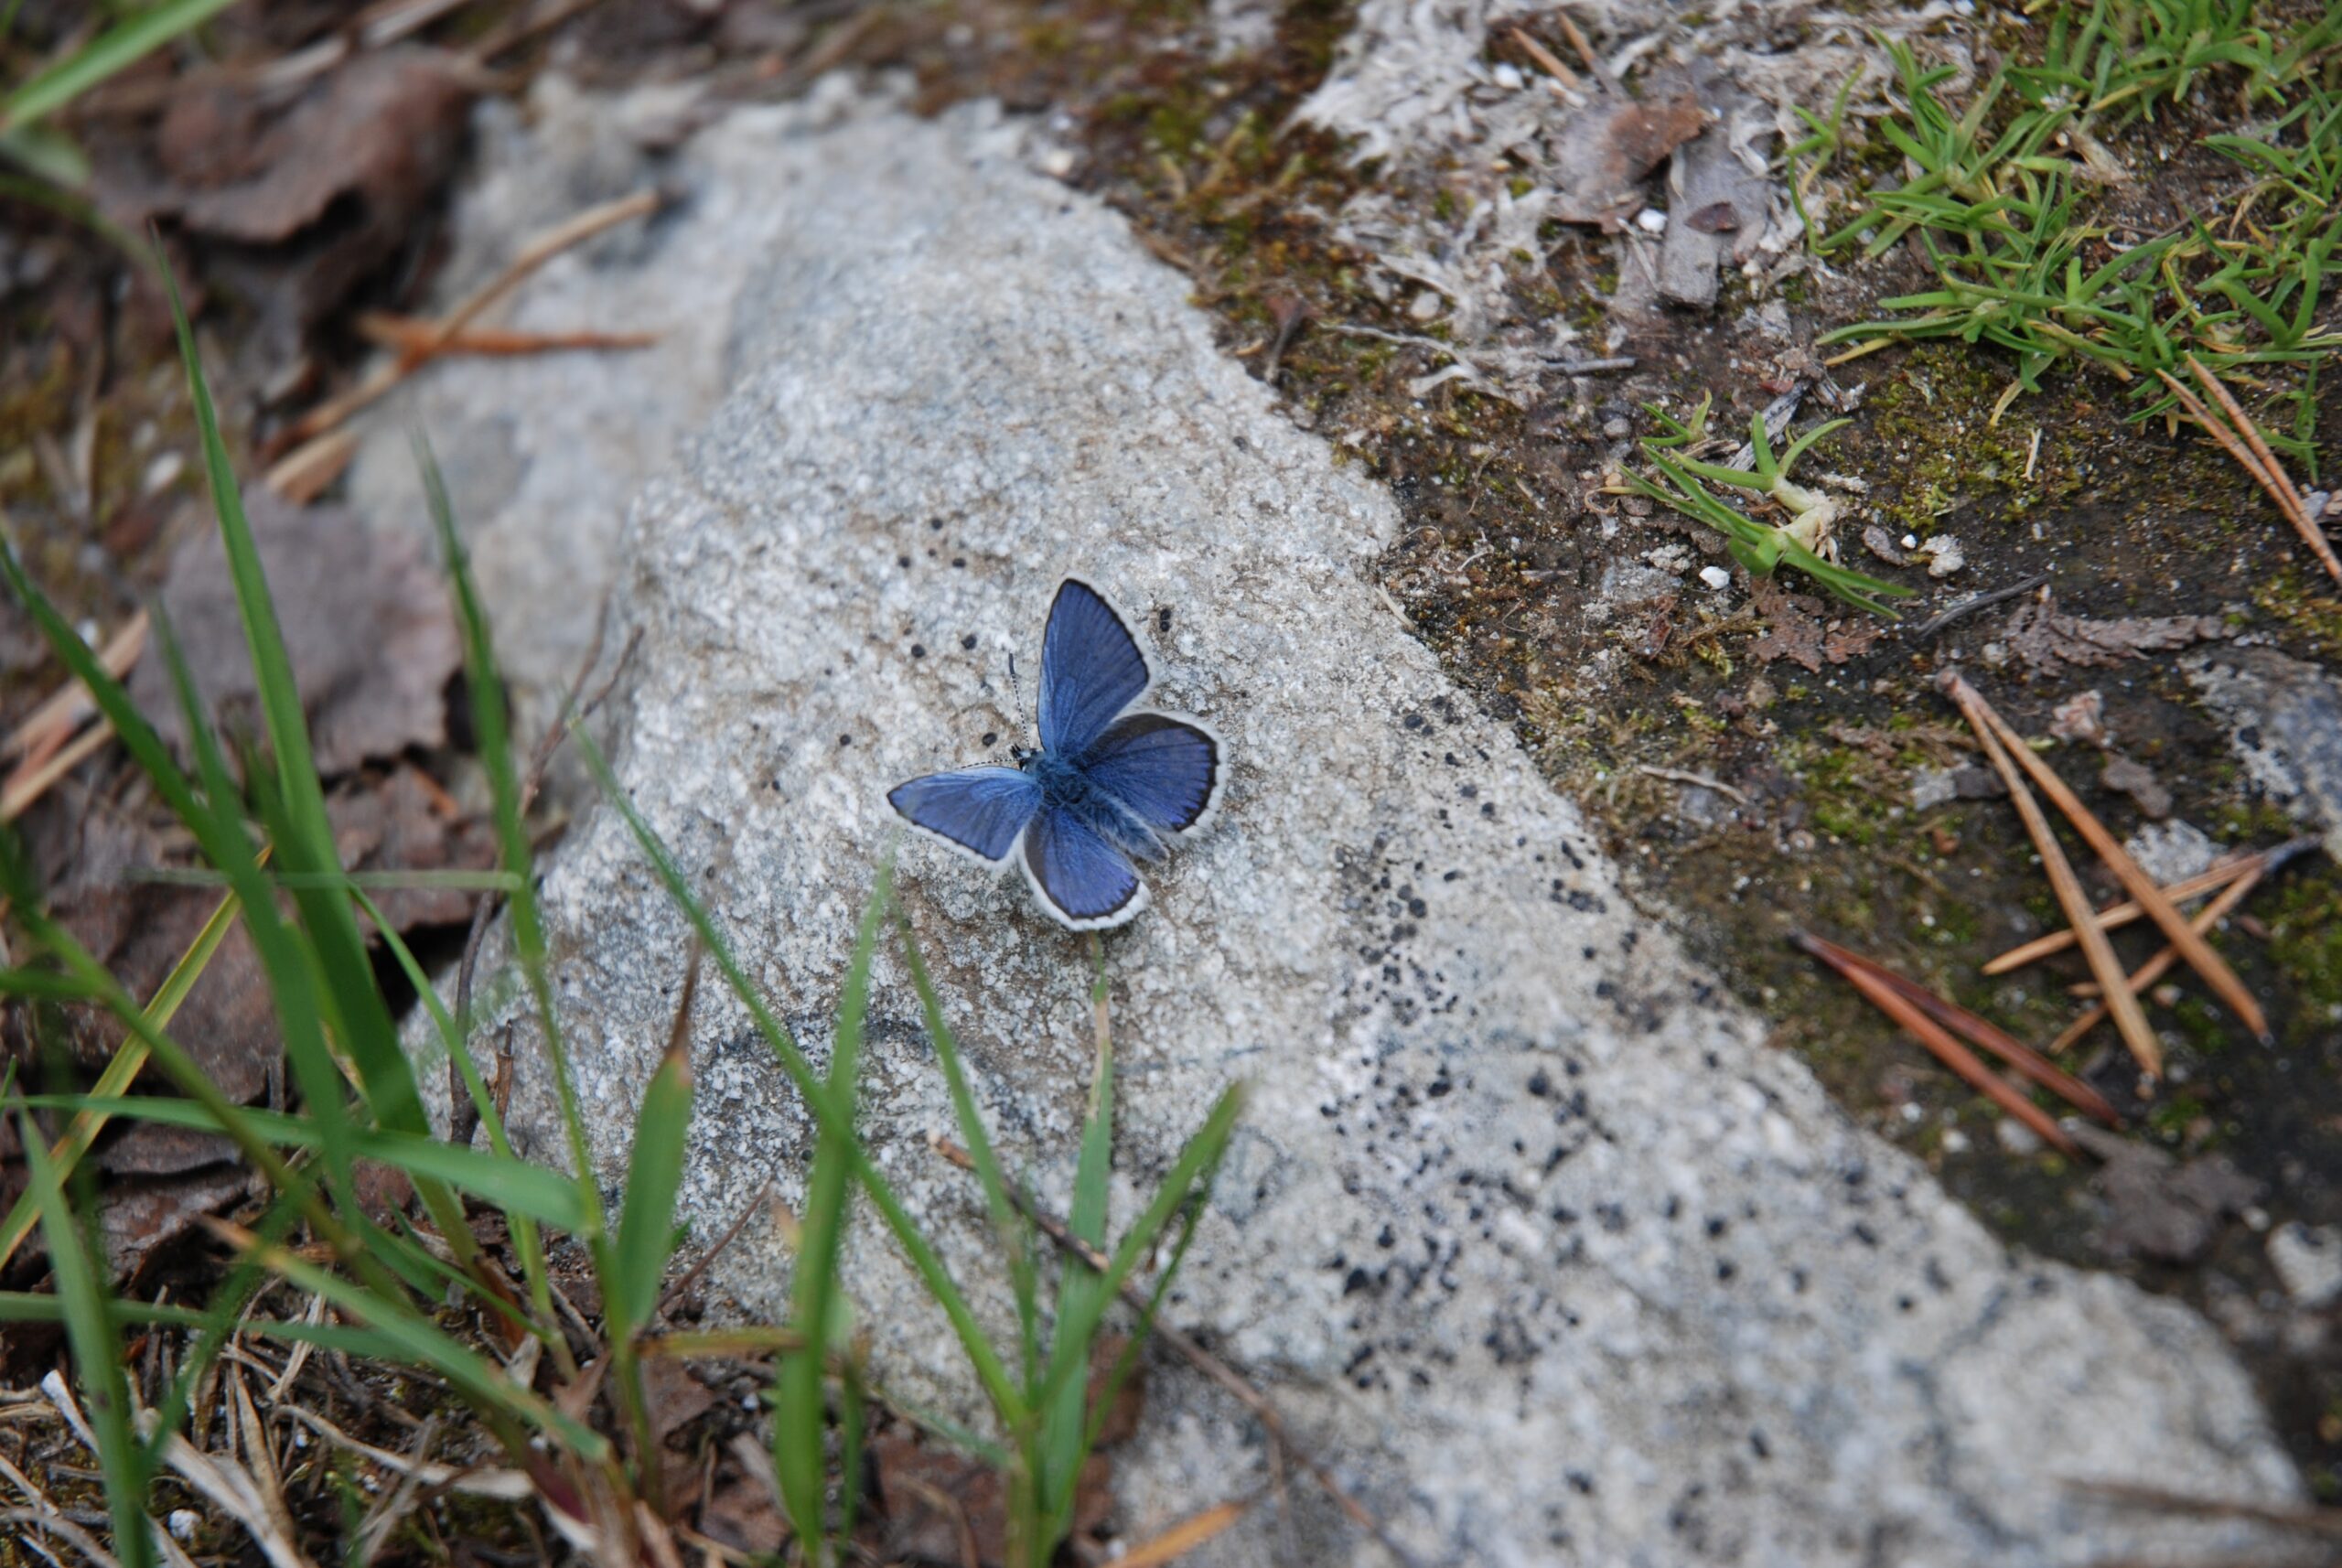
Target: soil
[[1526, 572]]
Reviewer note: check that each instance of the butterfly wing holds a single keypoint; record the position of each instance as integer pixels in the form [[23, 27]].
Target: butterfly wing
[[977, 809], [1087, 883], [1092, 669], [1163, 767]]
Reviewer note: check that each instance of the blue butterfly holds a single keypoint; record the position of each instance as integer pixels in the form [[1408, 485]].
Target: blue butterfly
[[1110, 783]]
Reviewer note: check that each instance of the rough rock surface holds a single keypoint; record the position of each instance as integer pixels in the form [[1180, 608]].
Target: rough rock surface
[[1525, 1226], [2285, 720]]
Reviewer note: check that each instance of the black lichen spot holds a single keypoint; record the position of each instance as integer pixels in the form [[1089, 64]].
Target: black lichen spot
[[961, 562], [991, 738], [968, 642], [1162, 620], [904, 562], [918, 650], [846, 740], [936, 523]]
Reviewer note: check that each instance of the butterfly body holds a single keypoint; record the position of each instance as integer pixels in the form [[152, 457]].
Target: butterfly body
[[1110, 783]]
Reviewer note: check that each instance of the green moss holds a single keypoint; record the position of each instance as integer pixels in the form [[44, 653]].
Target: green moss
[[1934, 424]]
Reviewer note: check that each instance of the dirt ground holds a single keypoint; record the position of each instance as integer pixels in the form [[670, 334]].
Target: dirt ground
[[1751, 757]]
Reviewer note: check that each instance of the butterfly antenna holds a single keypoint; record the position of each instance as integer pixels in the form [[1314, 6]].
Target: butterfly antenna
[[1015, 691]]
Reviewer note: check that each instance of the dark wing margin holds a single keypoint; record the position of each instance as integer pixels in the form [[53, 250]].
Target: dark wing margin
[[977, 809], [1165, 769], [1092, 669], [1085, 882]]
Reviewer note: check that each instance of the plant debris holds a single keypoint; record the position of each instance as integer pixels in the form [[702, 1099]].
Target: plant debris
[[2159, 1208], [2048, 642], [366, 626]]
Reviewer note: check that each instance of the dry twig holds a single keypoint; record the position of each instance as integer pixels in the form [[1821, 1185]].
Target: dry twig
[[2128, 1015], [1229, 1379], [1877, 988], [2245, 444], [2141, 887]]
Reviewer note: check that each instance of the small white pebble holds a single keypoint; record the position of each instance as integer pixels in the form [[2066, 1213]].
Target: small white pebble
[[163, 472], [1651, 221], [1058, 162], [2016, 1137], [1955, 1142], [1715, 578], [184, 1523], [1508, 76], [1427, 304]]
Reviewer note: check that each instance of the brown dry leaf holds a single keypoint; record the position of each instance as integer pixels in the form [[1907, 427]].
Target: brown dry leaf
[[2138, 781], [1792, 625], [2156, 1207], [139, 931], [742, 1514], [673, 1397], [367, 624], [935, 1499], [136, 1217], [158, 1148], [1850, 639], [383, 131], [2047, 641], [404, 821], [1606, 149]]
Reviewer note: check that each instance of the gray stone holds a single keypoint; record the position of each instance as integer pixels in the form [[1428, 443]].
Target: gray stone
[[2285, 720], [2308, 1260], [1525, 1228]]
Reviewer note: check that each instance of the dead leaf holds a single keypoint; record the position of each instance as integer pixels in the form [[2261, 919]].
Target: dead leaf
[[2047, 641], [139, 931], [1850, 639], [2138, 781], [404, 821], [1792, 627], [158, 1148], [367, 624], [1606, 149], [136, 1218], [674, 1396], [2156, 1207], [742, 1514], [2080, 717], [937, 1500], [383, 131]]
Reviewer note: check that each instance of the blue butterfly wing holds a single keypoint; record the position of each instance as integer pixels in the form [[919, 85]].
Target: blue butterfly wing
[[1083, 880], [980, 809], [1092, 669], [1164, 769]]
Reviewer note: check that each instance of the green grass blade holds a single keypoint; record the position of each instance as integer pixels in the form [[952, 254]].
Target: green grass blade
[[544, 1194], [1080, 1300], [491, 726], [817, 1297], [123, 1068], [76, 1265], [1015, 1231], [408, 1337], [350, 999], [121, 45], [834, 1118]]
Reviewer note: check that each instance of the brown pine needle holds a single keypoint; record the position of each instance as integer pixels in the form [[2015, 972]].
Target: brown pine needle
[[1182, 1538], [36, 779], [1547, 60], [1981, 1032], [1890, 1001], [584, 226], [2252, 455], [47, 727], [2128, 1015], [2184, 891], [2141, 887], [411, 334], [2155, 968]]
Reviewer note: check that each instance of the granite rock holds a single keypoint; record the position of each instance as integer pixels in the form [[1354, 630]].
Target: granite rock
[[1532, 1234]]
